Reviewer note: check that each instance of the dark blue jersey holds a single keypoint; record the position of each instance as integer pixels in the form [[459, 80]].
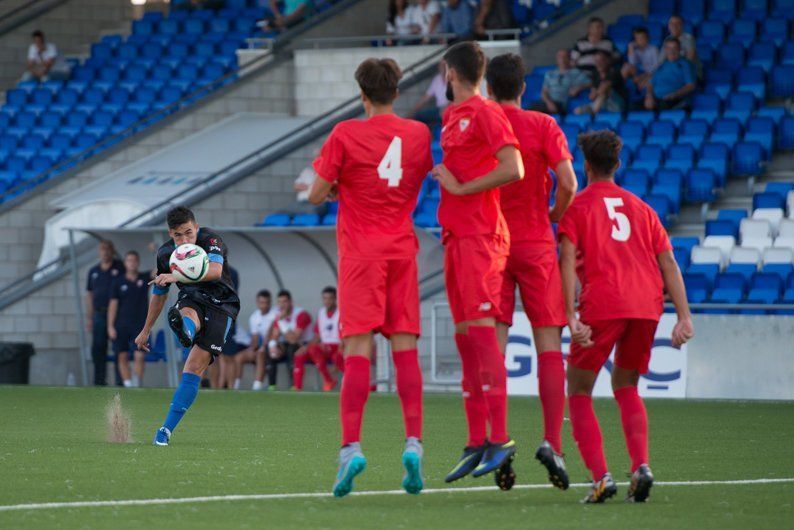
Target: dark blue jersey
[[133, 297], [220, 294], [100, 283]]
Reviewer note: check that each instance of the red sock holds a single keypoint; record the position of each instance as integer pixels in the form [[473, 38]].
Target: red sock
[[409, 388], [316, 355], [551, 387], [635, 424], [587, 434], [299, 369], [353, 397], [493, 375], [473, 398]]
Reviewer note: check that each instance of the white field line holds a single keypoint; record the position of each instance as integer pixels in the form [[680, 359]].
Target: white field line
[[321, 495]]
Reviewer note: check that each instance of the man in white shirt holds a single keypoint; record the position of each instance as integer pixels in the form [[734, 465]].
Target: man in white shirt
[[260, 325], [325, 347], [44, 63], [437, 93]]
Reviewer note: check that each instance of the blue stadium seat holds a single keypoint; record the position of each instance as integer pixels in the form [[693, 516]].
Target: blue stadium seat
[[669, 177], [780, 188], [734, 215], [786, 137], [723, 10], [671, 192], [77, 119], [775, 29], [636, 181], [697, 286], [681, 257], [307, 219], [747, 158], [631, 129], [740, 105], [685, 242], [693, 11], [747, 270], [787, 53], [680, 156], [768, 200], [329, 219], [662, 7], [721, 227], [662, 205], [169, 26], [277, 219], [730, 55], [701, 185], [675, 116], [781, 270], [708, 102], [582, 120], [643, 116], [761, 130], [783, 81], [726, 130], [743, 30], [754, 9], [782, 8], [648, 157], [693, 132], [751, 79], [661, 133], [613, 119], [711, 32]]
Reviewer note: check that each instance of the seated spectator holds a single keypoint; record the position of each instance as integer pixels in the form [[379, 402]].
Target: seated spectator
[[301, 187], [260, 327], [607, 92], [427, 15], [688, 46], [435, 93], [289, 14], [402, 22], [643, 59], [584, 51], [560, 84], [326, 345], [291, 331], [44, 63], [458, 18], [673, 81], [239, 341], [493, 14]]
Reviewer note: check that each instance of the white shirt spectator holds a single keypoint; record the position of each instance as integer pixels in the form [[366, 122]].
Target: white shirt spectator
[[328, 326], [403, 24], [307, 177], [438, 91], [424, 15], [260, 323], [49, 52]]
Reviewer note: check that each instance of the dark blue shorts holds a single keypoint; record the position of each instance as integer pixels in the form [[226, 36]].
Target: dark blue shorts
[[125, 340]]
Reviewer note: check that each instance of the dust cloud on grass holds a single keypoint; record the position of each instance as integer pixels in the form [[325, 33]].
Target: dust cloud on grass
[[119, 425]]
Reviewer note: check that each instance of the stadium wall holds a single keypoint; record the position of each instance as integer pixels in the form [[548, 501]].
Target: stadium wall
[[72, 27]]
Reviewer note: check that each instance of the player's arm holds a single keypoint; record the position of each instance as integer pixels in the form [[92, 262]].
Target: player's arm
[[509, 169], [580, 332], [302, 322], [674, 283], [113, 308], [566, 189], [156, 304], [321, 190], [328, 166]]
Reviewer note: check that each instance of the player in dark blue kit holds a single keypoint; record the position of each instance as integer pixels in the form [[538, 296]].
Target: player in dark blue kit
[[202, 316], [129, 297], [100, 280]]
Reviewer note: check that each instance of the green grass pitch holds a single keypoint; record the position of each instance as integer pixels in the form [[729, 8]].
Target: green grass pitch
[[53, 449]]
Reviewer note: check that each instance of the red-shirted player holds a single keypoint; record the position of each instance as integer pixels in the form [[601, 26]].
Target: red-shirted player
[[480, 154], [532, 264], [377, 166], [324, 346], [622, 255]]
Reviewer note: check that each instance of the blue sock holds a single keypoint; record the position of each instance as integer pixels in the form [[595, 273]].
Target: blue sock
[[189, 326], [183, 397]]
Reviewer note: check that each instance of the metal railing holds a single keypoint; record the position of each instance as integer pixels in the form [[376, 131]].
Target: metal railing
[[11, 20]]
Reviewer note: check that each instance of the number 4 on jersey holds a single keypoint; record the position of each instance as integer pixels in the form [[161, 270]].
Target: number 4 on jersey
[[390, 168], [622, 231]]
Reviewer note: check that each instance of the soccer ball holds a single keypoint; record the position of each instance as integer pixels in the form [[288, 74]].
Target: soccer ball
[[189, 263]]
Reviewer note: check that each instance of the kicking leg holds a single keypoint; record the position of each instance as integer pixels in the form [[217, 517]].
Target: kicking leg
[[198, 360]]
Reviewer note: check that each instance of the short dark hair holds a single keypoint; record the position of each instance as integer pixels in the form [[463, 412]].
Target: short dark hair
[[133, 253], [601, 150], [673, 39], [330, 290], [378, 80], [505, 76], [640, 29], [286, 293], [467, 59], [676, 15], [178, 216], [264, 293], [37, 33], [595, 19]]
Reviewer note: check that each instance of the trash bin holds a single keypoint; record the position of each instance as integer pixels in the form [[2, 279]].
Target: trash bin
[[15, 362]]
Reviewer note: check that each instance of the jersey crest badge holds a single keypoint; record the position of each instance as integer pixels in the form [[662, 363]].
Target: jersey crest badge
[[464, 123]]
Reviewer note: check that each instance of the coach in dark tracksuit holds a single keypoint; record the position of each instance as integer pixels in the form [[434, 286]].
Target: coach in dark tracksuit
[[100, 280]]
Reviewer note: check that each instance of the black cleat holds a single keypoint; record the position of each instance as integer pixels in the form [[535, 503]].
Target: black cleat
[[601, 490], [641, 484], [504, 476], [494, 457], [555, 465], [468, 461], [175, 323]]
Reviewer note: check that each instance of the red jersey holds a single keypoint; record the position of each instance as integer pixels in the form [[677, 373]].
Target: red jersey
[[473, 132], [378, 165], [525, 204], [617, 238]]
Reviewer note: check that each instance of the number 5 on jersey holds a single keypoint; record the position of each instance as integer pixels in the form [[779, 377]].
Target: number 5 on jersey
[[622, 231], [390, 168]]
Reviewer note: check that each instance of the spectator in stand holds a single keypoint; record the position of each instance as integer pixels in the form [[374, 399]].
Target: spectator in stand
[[435, 93], [260, 327], [100, 281], [325, 346], [402, 22], [584, 51], [458, 18], [291, 331], [44, 63], [643, 59], [560, 84], [608, 90], [292, 12], [673, 82], [129, 303], [493, 15], [427, 14], [688, 45], [301, 188]]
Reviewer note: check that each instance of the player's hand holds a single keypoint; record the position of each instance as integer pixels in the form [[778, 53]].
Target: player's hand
[[333, 195], [683, 331], [447, 180], [581, 333], [142, 340], [163, 279], [112, 333]]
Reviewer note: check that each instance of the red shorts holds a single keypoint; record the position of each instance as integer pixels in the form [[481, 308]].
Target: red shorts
[[473, 267], [632, 336], [533, 267], [378, 296]]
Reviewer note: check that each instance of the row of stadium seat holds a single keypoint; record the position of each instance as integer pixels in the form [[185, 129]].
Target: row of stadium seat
[[695, 11]]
